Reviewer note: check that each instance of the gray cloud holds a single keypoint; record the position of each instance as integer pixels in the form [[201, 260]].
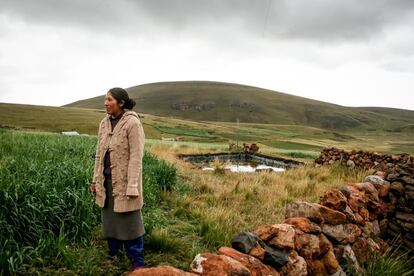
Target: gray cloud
[[337, 20], [318, 20], [88, 15], [310, 48]]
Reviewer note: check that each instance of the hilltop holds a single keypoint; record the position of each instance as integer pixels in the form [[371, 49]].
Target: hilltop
[[228, 102]]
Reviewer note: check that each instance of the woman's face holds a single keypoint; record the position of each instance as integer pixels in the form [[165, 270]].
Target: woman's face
[[111, 105]]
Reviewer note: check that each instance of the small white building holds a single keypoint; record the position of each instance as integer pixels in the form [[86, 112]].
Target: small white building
[[70, 133]]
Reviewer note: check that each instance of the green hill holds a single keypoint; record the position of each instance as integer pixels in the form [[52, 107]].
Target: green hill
[[282, 139], [227, 102]]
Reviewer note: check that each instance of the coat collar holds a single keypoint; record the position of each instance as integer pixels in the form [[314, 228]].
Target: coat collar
[[126, 113], [121, 121]]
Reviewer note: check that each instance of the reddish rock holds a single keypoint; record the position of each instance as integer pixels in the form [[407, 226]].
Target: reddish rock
[[304, 209], [350, 216], [330, 262], [307, 245], [266, 232], [315, 212], [382, 209], [304, 224], [208, 264], [368, 188], [383, 246], [334, 199], [380, 174], [356, 201], [258, 252], [363, 212], [324, 245], [373, 246], [331, 216], [317, 268], [256, 267], [163, 270], [278, 235], [356, 198], [360, 248], [338, 251], [384, 189], [296, 266], [342, 233], [373, 204], [359, 219]]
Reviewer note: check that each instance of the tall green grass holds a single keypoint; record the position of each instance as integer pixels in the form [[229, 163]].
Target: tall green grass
[[45, 205], [393, 262]]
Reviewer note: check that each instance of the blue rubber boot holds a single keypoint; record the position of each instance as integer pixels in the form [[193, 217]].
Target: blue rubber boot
[[135, 251], [113, 247]]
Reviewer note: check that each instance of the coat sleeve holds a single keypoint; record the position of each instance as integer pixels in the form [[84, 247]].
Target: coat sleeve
[[97, 157], [136, 141]]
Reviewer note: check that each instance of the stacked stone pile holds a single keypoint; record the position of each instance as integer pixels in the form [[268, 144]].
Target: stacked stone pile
[[341, 231], [400, 180], [362, 159], [397, 182]]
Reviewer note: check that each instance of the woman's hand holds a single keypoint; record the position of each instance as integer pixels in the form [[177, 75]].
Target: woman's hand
[[92, 188]]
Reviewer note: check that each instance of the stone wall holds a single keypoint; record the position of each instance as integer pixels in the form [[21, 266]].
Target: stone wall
[[363, 159], [398, 174], [341, 231]]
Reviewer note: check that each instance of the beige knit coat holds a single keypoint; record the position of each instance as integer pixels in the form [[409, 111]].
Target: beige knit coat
[[126, 145]]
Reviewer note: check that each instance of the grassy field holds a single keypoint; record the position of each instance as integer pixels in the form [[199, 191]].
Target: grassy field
[[49, 224], [277, 139]]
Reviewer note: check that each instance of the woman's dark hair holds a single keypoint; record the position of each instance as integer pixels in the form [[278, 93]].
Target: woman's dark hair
[[120, 95]]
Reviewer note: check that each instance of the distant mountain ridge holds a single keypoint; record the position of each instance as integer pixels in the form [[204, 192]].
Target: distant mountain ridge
[[228, 102]]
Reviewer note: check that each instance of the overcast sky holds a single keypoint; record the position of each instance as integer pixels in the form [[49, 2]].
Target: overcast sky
[[353, 52]]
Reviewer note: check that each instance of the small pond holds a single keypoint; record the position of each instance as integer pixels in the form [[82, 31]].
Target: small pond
[[241, 162]]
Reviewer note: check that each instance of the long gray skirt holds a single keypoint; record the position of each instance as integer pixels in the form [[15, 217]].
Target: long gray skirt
[[121, 226]]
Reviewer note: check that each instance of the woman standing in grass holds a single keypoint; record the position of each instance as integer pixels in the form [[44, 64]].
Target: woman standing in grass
[[117, 178]]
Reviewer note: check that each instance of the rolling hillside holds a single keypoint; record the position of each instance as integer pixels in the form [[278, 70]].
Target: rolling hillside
[[290, 140], [215, 101]]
